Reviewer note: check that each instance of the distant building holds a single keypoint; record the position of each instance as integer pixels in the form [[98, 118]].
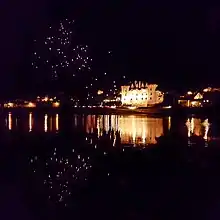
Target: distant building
[[207, 97], [191, 100], [141, 94]]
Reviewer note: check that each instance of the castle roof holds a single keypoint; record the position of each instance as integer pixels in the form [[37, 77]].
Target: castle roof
[[138, 85]]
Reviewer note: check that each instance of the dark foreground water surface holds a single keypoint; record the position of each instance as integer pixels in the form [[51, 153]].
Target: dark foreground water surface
[[108, 167]]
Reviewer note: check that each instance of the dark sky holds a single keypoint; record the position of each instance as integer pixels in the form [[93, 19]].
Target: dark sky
[[176, 45]]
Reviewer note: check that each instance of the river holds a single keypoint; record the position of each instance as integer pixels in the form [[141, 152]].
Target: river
[[108, 166]]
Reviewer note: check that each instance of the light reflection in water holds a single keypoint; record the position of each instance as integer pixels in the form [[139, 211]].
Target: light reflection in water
[[45, 122], [30, 121], [132, 129], [9, 121], [169, 123], [206, 124], [51, 123], [57, 122], [198, 128]]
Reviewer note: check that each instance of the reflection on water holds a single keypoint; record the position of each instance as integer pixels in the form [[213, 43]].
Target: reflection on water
[[30, 122], [45, 122], [169, 123], [132, 129], [126, 129], [57, 122], [9, 121], [196, 127], [206, 125]]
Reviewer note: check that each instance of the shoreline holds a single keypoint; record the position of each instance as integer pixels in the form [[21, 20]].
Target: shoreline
[[175, 112], [89, 110]]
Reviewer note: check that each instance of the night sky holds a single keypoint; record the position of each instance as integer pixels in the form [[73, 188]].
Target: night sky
[[176, 46]]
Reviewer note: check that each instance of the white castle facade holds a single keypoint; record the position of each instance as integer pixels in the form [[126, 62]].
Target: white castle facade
[[141, 94]]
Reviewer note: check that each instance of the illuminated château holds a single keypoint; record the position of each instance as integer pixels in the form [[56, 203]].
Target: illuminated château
[[141, 94]]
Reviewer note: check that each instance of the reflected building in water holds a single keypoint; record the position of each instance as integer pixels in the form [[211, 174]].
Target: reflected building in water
[[132, 129], [195, 127], [124, 129]]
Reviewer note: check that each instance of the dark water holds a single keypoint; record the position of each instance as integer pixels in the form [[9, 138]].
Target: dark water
[[108, 167]]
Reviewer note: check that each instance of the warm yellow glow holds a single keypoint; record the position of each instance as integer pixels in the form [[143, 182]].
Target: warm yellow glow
[[198, 96], [45, 122], [169, 123], [209, 89], [195, 127], [9, 121], [9, 105], [188, 103], [188, 127], [132, 129], [90, 123], [106, 123], [56, 104], [195, 103], [99, 126], [57, 122], [132, 107], [141, 94], [31, 105], [167, 106], [45, 99], [30, 122], [206, 125], [100, 92], [189, 93], [192, 125]]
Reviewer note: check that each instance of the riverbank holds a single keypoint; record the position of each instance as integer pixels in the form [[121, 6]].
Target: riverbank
[[91, 110], [178, 112]]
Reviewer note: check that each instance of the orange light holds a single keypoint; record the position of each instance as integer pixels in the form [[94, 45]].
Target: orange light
[[56, 104], [10, 105], [45, 99], [132, 107], [57, 122], [30, 122], [100, 92], [45, 122], [31, 105], [9, 121], [169, 106]]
